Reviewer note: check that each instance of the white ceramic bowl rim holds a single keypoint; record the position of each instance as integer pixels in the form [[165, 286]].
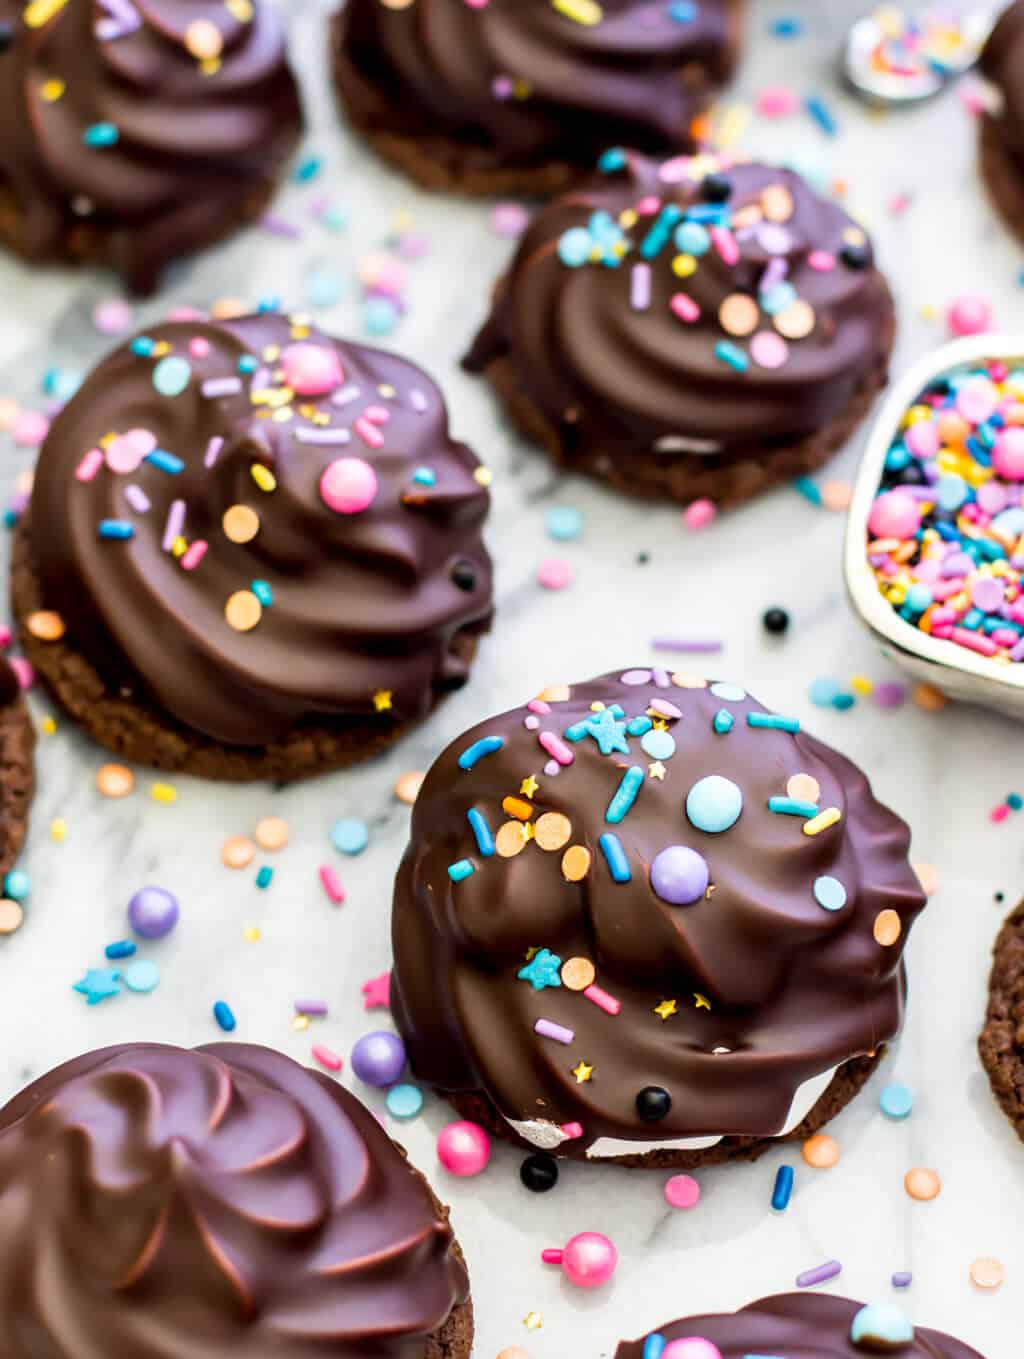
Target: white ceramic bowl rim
[[860, 579]]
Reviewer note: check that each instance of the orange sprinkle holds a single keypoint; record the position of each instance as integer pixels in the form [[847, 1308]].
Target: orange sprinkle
[[578, 974], [115, 780], [511, 839], [928, 698], [922, 1184], [272, 832], [836, 495], [553, 831], [821, 1152], [11, 916], [987, 1272], [46, 625], [576, 863], [888, 928], [517, 807], [238, 851], [408, 786], [928, 877]]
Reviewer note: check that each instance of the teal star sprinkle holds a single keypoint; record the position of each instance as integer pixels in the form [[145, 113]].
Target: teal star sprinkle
[[606, 729], [98, 984], [542, 970]]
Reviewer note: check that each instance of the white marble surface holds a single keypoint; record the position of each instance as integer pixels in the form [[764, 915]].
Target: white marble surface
[[943, 772]]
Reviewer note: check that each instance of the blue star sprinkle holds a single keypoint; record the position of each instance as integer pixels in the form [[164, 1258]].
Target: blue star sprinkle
[[98, 984], [542, 970], [606, 729]]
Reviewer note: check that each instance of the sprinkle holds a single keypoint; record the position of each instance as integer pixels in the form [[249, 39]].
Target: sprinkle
[[554, 746], [487, 745], [116, 529], [922, 1184], [687, 645], [902, 1278], [311, 1007], [481, 831], [350, 835], [238, 851], [137, 499], [682, 1191], [222, 386], [263, 477], [723, 723], [404, 1101], [896, 1101], [90, 465], [225, 1016], [458, 872], [821, 1152], [829, 817], [548, 1029], [987, 1273], [163, 792], [829, 893], [603, 1000], [654, 1347], [377, 992], [625, 795], [820, 1274], [783, 1189], [772, 722], [788, 806], [887, 928], [264, 877], [331, 884], [327, 1057], [819, 111], [194, 554], [114, 780], [100, 135], [640, 287], [174, 524], [213, 449], [141, 976], [46, 625], [615, 857], [122, 948], [172, 375]]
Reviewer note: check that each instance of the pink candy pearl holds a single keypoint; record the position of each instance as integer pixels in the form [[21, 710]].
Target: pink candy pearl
[[699, 514], [554, 574], [348, 485], [463, 1148], [691, 1347], [894, 515], [1008, 454], [969, 315], [923, 439], [589, 1260], [311, 369], [682, 1191]]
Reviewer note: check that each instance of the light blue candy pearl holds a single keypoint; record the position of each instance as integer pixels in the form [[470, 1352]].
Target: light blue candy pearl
[[692, 239], [574, 247]]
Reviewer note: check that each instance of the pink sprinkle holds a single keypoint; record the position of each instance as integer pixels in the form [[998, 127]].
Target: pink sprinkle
[[199, 347], [532, 721], [327, 1057], [974, 641], [572, 1130], [29, 429], [194, 554], [552, 769], [6, 636], [768, 350], [369, 433], [23, 669], [547, 1028], [665, 708], [648, 206], [554, 574], [699, 514], [332, 884], [777, 101], [112, 317], [90, 465], [538, 705], [999, 813], [555, 747], [603, 1000], [821, 261], [377, 415], [725, 243], [685, 308]]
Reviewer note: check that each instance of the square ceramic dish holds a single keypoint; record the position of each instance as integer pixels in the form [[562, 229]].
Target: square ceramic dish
[[956, 671]]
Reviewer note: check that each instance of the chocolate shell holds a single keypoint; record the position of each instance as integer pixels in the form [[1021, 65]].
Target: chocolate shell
[[135, 133], [695, 327], [521, 94], [256, 530], [644, 913], [795, 1325], [1002, 130], [157, 1202]]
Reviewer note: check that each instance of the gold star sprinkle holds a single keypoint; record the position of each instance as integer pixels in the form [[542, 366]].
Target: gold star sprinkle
[[656, 770], [666, 1009], [701, 1002], [660, 725], [533, 1321], [382, 700], [300, 1023], [529, 786], [582, 1072]]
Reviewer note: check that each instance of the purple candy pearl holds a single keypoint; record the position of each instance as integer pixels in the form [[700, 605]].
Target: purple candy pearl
[[153, 912], [379, 1058], [679, 875]]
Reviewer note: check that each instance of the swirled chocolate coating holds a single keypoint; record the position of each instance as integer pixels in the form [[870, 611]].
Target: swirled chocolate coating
[[238, 600], [523, 84], [798, 1325], [1002, 62], [696, 311], [158, 1202], [747, 961], [136, 131]]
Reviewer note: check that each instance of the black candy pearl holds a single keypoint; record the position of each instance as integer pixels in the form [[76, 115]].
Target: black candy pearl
[[653, 1104], [464, 576], [539, 1172], [716, 188], [775, 621], [855, 256], [6, 34]]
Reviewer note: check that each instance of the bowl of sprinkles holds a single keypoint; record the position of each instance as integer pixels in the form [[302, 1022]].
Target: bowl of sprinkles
[[935, 541]]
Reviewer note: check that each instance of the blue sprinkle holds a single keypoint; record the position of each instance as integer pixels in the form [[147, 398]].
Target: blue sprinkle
[[116, 528], [380, 316], [270, 303], [17, 884], [788, 806], [172, 375], [654, 1347], [823, 691], [723, 722], [165, 461], [639, 726], [772, 722], [777, 298], [564, 523], [611, 160], [350, 835], [482, 832], [896, 1101], [101, 134], [789, 26], [261, 589], [575, 247], [425, 476], [728, 693], [264, 876], [487, 745], [808, 489], [308, 168], [61, 383], [404, 1101], [732, 355], [458, 872], [143, 346], [248, 363], [659, 745], [123, 948], [829, 893], [1014, 801], [225, 1016], [783, 1190], [324, 288], [844, 702], [615, 857], [682, 12], [817, 108], [141, 976], [692, 239], [625, 795]]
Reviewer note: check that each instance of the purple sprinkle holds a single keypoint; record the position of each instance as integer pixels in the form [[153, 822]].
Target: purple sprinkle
[[902, 1278], [685, 644], [307, 435], [345, 397], [175, 523], [223, 386], [666, 709], [418, 400], [137, 498], [640, 287], [775, 271], [889, 694], [820, 1274], [311, 1007], [548, 1029], [277, 226], [1017, 654], [660, 678], [213, 449]]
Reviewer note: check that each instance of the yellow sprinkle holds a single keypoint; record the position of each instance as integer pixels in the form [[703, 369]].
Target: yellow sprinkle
[[382, 700], [161, 348], [587, 12], [386, 390], [733, 125], [822, 821], [700, 1002], [860, 684], [52, 90], [49, 725], [263, 477], [300, 1023], [40, 12], [252, 935], [684, 265], [483, 476], [58, 829], [665, 1009], [163, 792], [179, 547], [272, 352], [209, 66], [533, 1321]]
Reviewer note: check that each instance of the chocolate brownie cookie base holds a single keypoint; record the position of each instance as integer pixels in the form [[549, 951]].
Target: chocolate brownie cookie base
[[847, 1082], [728, 480], [141, 733], [1003, 175], [17, 780], [437, 162], [1001, 1042], [455, 1338]]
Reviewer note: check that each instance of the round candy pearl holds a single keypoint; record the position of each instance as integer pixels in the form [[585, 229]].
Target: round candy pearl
[[348, 485], [589, 1260], [894, 515], [969, 315], [311, 369], [153, 912], [379, 1058], [714, 804], [539, 1172], [691, 1347], [1008, 454], [463, 1148], [679, 875], [682, 1191], [513, 1352]]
